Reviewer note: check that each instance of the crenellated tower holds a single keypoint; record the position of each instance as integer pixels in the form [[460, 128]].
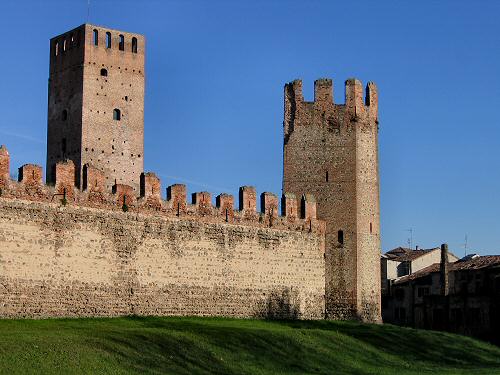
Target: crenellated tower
[[331, 151], [96, 104]]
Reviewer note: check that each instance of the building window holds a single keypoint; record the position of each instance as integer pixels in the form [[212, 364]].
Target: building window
[[399, 294], [134, 45], [371, 228], [104, 72], [117, 114], [63, 146], [340, 237], [64, 115], [404, 268], [108, 40], [96, 37], [326, 176], [423, 291], [56, 49], [121, 46], [64, 45]]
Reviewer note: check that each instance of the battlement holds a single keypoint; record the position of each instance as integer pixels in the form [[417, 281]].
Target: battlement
[[355, 97], [96, 36], [297, 213]]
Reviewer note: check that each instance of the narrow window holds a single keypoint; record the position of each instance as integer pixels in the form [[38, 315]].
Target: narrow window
[[121, 46], [72, 40], [56, 49], [64, 115], [104, 72], [134, 45], [340, 237], [64, 45], [117, 114], [63, 146], [108, 40], [371, 227], [96, 37], [326, 177]]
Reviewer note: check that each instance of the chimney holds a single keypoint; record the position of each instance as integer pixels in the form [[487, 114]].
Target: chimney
[[443, 270]]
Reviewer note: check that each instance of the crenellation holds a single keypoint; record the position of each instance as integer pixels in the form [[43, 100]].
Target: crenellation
[[124, 196], [225, 205], [323, 91], [203, 202], [248, 201], [150, 186], [289, 206], [4, 167], [269, 205], [176, 197], [65, 178]]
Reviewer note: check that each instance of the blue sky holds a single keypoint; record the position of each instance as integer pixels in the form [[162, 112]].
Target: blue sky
[[214, 96]]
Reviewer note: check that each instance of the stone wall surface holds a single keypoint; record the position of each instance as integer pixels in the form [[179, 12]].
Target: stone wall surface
[[64, 260]]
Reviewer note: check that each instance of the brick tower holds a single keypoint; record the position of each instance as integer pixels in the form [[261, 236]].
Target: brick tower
[[96, 103], [331, 151]]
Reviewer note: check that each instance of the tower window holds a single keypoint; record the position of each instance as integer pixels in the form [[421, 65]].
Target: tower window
[[64, 115], [104, 72], [108, 40], [117, 115], [96, 37], [121, 46], [63, 146], [134, 45], [64, 45], [371, 228], [326, 176], [56, 49], [340, 237]]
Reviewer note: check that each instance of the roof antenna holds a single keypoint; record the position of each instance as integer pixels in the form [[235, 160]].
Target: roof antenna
[[410, 240]]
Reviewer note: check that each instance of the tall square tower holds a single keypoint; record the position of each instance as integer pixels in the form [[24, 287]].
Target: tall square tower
[[96, 103], [331, 151]]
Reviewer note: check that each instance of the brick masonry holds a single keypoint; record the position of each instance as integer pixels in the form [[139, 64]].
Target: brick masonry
[[99, 240], [330, 151], [87, 82]]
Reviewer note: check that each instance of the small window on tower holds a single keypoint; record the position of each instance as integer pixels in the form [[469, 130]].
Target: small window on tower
[[326, 176], [134, 45], [340, 237], [96, 37], [104, 72], [121, 46], [64, 115], [108, 40], [56, 49], [117, 114]]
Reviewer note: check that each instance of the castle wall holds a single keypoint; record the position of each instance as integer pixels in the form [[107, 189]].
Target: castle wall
[[72, 261]]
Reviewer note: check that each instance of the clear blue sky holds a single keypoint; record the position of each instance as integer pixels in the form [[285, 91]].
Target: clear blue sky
[[214, 95]]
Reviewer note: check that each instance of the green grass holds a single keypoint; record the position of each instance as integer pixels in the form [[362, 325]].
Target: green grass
[[229, 346]]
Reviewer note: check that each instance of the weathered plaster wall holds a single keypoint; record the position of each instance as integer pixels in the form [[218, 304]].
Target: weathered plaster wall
[[60, 260]]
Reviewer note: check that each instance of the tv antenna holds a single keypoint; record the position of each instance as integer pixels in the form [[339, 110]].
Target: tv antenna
[[410, 239]]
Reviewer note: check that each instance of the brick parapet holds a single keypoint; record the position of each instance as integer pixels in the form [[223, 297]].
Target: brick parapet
[[123, 197]]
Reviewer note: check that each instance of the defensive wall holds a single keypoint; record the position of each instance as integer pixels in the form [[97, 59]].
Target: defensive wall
[[66, 251]]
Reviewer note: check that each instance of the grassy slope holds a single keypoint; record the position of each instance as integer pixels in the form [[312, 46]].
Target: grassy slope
[[227, 346]]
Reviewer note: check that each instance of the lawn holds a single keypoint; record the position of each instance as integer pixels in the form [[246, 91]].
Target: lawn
[[229, 346]]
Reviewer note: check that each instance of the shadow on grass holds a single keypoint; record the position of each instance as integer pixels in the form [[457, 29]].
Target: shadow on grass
[[195, 346]]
